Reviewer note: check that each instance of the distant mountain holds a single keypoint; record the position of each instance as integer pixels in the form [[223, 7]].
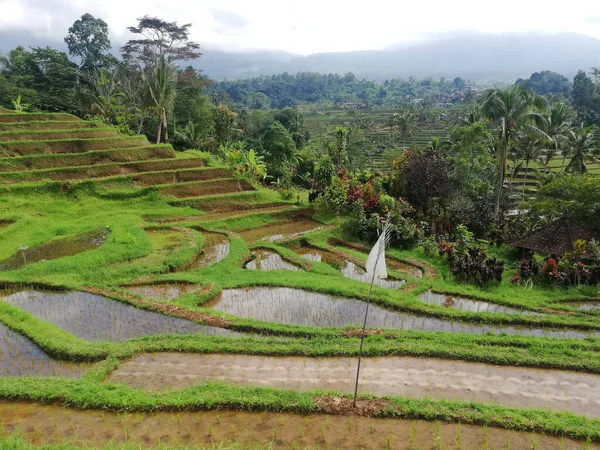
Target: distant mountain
[[479, 57]]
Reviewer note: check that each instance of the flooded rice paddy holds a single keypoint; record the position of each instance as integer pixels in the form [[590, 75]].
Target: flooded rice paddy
[[586, 306], [348, 268], [96, 318], [278, 231], [393, 263], [19, 357], [266, 260], [215, 249], [55, 249], [556, 390], [165, 292], [465, 304], [298, 307], [354, 272], [41, 424]]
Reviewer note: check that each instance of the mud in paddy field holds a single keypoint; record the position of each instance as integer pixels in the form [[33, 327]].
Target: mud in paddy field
[[521, 387], [52, 424], [19, 357], [58, 248], [96, 318], [298, 307]]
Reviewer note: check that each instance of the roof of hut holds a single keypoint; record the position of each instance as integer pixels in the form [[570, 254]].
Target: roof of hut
[[556, 238]]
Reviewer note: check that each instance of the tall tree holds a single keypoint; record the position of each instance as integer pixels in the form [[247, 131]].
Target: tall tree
[[159, 40], [585, 102], [582, 144], [556, 123], [514, 110], [88, 39], [163, 89]]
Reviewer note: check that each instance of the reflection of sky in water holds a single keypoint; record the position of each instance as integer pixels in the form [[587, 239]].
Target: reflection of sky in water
[[352, 271], [97, 318], [465, 304], [586, 306], [264, 260], [348, 269], [57, 248], [294, 306], [21, 357]]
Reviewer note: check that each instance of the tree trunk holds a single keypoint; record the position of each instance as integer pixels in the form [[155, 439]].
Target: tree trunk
[[525, 182], [141, 125], [160, 126], [165, 124], [502, 175]]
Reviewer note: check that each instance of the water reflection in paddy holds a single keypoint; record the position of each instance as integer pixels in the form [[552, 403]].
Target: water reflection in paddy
[[165, 292], [97, 318], [265, 260], [215, 249], [348, 268], [298, 307], [278, 231], [586, 306], [55, 249], [19, 357], [465, 304]]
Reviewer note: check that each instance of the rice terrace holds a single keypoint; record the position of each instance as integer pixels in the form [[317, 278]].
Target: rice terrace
[[306, 261]]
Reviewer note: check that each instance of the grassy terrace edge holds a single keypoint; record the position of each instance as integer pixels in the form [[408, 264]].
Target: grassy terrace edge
[[90, 393]]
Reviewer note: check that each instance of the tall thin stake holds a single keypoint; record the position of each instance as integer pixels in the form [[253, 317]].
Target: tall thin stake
[[362, 336]]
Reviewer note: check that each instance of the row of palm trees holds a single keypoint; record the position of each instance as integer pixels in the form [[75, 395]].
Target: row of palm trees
[[531, 129]]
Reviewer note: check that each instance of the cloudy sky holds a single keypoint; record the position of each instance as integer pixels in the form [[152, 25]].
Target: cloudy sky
[[309, 26]]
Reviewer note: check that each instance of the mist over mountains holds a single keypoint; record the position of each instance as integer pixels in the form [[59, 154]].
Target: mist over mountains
[[479, 57]]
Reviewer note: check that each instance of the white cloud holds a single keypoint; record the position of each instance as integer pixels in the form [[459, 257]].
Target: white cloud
[[309, 26]]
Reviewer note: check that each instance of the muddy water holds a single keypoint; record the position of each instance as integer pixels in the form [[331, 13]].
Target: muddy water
[[278, 231], [389, 376], [265, 260], [216, 248], [97, 318], [19, 357], [56, 249], [165, 292], [465, 304], [348, 268], [52, 424], [298, 307]]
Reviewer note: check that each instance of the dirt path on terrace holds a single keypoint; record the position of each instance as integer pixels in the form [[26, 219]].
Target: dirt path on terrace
[[529, 388]]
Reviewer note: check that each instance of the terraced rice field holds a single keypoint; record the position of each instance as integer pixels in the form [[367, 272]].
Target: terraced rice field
[[408, 377], [96, 318], [135, 278]]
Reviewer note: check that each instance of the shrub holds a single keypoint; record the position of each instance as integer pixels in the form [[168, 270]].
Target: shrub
[[430, 246]]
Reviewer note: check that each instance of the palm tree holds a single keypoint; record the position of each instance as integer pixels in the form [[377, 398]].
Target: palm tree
[[514, 109], [529, 149], [472, 116], [404, 123], [556, 123], [163, 89], [582, 144]]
